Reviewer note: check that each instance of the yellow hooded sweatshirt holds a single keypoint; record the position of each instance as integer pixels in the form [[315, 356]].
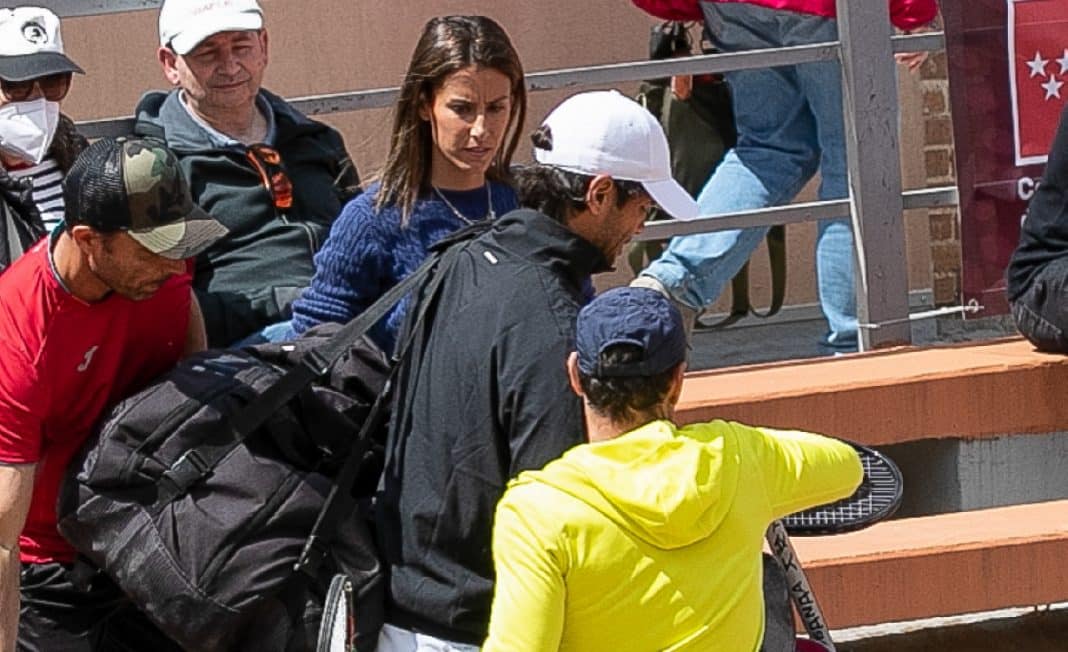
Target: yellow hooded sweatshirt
[[652, 541]]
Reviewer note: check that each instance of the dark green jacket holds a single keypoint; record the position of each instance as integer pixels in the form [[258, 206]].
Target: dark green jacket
[[250, 278]]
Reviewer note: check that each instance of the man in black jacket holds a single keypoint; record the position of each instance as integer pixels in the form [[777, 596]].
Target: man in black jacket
[[483, 393], [274, 177], [1037, 276]]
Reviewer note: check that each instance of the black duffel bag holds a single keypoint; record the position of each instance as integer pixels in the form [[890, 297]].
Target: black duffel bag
[[222, 499]]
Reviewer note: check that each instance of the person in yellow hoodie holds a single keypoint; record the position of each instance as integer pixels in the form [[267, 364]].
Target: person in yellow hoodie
[[649, 537]]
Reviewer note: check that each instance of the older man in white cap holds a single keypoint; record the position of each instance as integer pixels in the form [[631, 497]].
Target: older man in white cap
[[37, 143], [276, 178], [483, 393]]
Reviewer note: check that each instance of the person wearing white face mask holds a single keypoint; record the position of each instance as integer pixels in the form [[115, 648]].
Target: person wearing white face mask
[[37, 143]]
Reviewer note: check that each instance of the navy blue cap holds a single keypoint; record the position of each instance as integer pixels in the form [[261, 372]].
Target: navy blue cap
[[639, 316]]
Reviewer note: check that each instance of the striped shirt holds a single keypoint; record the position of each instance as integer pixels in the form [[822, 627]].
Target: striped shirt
[[47, 189]]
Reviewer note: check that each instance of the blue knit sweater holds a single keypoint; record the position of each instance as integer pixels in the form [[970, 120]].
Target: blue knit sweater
[[368, 252]]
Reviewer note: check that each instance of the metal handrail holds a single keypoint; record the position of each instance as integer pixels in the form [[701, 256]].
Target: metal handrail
[[789, 214], [377, 98], [80, 8], [74, 8], [603, 74], [858, 24]]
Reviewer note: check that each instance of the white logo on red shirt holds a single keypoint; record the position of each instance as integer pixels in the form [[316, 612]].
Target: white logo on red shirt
[[88, 358]]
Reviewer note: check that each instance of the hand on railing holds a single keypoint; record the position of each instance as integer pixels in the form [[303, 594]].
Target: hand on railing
[[911, 60]]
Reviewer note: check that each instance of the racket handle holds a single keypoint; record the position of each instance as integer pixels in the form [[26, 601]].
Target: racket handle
[[350, 617], [801, 593]]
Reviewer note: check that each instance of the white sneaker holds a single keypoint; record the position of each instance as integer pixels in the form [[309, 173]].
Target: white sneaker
[[689, 315], [651, 282]]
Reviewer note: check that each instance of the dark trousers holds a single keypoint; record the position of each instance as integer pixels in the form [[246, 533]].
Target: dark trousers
[[89, 614], [778, 612], [1041, 312]]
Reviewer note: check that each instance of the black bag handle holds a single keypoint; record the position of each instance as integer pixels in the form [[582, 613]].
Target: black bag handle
[[776, 240], [198, 462], [740, 305]]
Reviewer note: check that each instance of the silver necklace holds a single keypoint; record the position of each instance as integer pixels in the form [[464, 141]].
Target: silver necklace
[[490, 214]]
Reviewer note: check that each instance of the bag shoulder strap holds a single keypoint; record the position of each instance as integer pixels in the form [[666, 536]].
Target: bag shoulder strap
[[776, 240], [341, 500], [740, 304]]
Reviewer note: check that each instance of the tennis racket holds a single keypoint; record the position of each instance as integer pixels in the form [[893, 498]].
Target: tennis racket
[[877, 498], [337, 632], [801, 594]]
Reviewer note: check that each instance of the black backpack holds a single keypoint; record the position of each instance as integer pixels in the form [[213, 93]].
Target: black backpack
[[224, 498]]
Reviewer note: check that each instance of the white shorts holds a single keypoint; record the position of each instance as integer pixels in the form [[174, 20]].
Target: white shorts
[[395, 639]]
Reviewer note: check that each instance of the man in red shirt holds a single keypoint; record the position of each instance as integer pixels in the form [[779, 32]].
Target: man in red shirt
[[88, 316]]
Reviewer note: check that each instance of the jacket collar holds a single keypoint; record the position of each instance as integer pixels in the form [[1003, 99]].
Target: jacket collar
[[544, 241], [160, 114]]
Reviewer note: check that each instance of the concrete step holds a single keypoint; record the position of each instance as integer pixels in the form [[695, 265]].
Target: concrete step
[[1035, 629]]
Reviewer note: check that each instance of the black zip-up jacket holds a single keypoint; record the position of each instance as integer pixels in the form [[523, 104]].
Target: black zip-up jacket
[[1044, 232], [21, 225], [250, 278], [482, 395]]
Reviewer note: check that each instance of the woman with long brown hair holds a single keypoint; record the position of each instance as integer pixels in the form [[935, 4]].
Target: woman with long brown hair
[[455, 129]]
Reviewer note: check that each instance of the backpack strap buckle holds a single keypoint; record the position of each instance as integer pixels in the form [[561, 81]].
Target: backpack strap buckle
[[184, 473]]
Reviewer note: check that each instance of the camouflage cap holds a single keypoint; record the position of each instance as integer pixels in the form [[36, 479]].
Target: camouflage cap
[[136, 185]]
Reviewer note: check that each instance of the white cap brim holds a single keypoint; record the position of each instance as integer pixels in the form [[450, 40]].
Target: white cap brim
[[673, 198], [189, 38]]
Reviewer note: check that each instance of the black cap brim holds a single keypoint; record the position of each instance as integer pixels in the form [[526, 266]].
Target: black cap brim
[[39, 64]]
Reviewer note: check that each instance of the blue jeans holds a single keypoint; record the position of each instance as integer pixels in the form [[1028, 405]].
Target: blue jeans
[[1041, 312], [789, 122]]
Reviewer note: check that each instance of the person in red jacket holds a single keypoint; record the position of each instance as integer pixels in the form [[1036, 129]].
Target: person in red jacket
[[789, 122]]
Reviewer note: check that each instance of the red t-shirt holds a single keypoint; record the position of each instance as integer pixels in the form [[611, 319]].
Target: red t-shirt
[[63, 362]]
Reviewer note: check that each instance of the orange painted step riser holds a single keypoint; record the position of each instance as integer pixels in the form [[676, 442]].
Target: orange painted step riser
[[941, 565], [944, 584]]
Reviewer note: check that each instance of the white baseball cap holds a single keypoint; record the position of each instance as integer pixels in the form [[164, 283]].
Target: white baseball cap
[[183, 24], [31, 45], [606, 132]]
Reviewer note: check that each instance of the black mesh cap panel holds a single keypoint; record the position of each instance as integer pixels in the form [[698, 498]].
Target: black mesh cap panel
[[94, 192]]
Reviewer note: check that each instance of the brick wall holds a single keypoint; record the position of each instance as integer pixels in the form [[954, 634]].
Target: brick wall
[[944, 223]]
